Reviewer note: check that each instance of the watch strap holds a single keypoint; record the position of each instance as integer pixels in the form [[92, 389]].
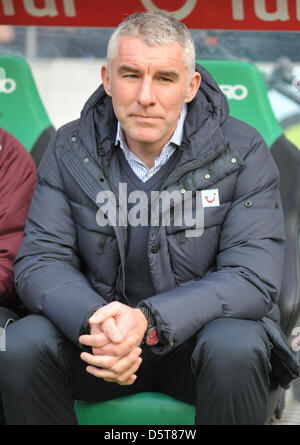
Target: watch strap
[[149, 317], [151, 328]]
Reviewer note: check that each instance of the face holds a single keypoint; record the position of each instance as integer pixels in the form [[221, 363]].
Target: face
[[148, 86]]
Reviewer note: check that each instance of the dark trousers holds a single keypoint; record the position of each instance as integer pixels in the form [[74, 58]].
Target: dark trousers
[[224, 371], [6, 316]]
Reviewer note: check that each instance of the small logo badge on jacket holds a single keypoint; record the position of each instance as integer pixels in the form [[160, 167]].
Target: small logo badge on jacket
[[210, 198]]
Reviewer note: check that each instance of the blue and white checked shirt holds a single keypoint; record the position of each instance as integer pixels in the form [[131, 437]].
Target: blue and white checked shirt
[[137, 165]]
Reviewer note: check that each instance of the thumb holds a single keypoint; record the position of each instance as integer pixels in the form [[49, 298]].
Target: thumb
[[105, 312]]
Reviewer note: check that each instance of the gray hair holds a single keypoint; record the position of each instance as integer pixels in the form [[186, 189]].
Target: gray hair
[[156, 28]]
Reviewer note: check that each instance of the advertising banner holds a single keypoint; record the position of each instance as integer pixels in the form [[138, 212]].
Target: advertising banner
[[204, 14]]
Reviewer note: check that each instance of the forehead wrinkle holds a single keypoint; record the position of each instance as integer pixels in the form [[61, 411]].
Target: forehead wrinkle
[[133, 51]]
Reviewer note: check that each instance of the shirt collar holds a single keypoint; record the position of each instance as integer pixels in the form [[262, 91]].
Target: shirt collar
[[175, 139]]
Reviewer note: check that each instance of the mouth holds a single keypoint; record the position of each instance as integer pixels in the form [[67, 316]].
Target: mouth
[[145, 118]]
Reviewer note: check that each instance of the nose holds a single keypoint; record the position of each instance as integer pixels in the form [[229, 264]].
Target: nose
[[146, 93]]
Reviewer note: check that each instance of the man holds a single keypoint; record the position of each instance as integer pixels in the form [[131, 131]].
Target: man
[[122, 307], [17, 183]]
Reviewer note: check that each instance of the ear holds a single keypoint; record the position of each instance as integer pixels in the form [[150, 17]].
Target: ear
[[106, 79], [193, 87]]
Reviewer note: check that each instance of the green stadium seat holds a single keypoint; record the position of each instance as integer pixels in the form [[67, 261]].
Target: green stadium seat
[[146, 408], [245, 90], [22, 112]]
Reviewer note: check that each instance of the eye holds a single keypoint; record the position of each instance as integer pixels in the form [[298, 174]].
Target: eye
[[130, 76]]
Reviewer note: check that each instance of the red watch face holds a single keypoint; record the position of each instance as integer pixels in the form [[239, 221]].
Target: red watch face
[[152, 337]]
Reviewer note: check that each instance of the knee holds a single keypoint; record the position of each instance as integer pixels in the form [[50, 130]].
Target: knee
[[231, 352], [27, 343]]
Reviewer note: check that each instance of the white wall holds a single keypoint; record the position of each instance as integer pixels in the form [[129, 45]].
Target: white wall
[[65, 85]]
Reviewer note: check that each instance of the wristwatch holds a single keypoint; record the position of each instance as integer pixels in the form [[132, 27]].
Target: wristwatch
[[151, 335]]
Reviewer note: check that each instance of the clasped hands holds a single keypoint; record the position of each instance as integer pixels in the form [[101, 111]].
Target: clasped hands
[[116, 332]]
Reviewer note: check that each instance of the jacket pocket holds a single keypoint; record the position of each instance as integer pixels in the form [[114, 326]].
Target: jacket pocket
[[86, 217]]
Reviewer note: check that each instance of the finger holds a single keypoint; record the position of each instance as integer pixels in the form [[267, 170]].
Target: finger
[[120, 349], [130, 381], [120, 366], [112, 363], [126, 375], [96, 329], [94, 340], [107, 311], [102, 338], [110, 376], [101, 361], [110, 329]]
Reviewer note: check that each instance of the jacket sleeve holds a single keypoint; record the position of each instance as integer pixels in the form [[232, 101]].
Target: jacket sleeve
[[18, 177], [48, 268], [249, 262]]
